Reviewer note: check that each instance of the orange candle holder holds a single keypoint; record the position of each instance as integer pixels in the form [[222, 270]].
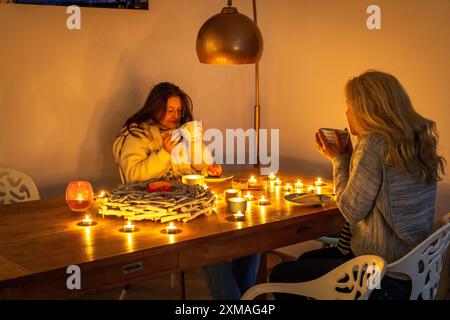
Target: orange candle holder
[[79, 195]]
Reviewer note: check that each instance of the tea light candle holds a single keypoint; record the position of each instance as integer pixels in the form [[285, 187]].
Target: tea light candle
[[319, 190], [239, 216], [237, 204], [231, 193], [171, 229], [248, 196], [102, 194], [252, 181], [311, 189], [272, 177], [87, 222], [277, 182], [288, 188], [263, 201], [319, 182], [128, 227], [298, 185]]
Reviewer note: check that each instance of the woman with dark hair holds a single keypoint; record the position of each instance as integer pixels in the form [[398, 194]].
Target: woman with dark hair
[[144, 147], [143, 151]]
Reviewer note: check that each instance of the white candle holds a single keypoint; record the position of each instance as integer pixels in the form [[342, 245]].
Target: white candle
[[252, 181], [248, 196], [263, 201], [128, 227], [288, 188], [239, 216], [272, 177], [171, 229], [319, 182], [87, 221], [278, 182]]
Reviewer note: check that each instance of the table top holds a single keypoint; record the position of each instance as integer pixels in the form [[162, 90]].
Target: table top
[[43, 235]]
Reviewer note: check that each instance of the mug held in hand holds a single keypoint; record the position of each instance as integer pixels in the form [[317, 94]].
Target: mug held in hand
[[331, 138]]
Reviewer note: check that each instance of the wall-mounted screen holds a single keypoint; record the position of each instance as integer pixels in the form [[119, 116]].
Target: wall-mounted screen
[[117, 4]]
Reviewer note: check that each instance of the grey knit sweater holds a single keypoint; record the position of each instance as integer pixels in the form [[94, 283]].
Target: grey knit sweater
[[388, 211]]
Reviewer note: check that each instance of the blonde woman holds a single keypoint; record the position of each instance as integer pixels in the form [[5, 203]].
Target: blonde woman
[[385, 188]]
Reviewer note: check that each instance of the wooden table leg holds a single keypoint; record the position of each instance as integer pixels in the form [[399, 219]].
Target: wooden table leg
[[182, 286]]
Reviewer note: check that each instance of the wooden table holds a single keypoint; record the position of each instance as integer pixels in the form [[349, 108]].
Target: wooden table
[[40, 239]]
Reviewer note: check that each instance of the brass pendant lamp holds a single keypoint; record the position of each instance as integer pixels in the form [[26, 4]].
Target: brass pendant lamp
[[229, 37], [233, 38]]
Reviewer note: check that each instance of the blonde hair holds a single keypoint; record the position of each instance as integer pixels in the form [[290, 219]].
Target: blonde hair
[[381, 105]]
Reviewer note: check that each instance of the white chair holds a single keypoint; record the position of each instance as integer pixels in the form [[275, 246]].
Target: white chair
[[16, 186], [353, 280], [423, 264]]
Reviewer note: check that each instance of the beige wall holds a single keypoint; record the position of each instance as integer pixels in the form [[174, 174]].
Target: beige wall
[[64, 94]]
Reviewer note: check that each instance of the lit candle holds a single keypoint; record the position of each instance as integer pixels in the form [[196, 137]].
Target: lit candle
[[252, 181], [87, 221], [263, 201], [311, 189], [239, 216], [272, 177], [102, 194], [171, 229], [298, 185], [319, 182], [288, 188], [237, 204], [128, 227], [248, 196], [277, 182]]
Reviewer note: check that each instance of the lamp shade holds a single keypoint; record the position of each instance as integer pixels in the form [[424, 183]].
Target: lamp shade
[[229, 38]]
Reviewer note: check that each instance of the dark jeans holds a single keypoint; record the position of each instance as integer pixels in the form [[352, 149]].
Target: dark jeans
[[314, 264]]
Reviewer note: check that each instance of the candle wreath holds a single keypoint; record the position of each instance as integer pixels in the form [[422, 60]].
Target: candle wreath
[[173, 201]]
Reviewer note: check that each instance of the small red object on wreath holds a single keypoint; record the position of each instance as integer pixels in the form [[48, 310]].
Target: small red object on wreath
[[159, 186]]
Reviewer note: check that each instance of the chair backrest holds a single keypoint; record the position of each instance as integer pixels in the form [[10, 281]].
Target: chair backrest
[[423, 264], [16, 186], [353, 280]]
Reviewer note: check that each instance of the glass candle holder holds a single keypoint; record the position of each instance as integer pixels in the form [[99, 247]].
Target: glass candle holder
[[231, 193], [79, 195], [193, 179], [237, 204]]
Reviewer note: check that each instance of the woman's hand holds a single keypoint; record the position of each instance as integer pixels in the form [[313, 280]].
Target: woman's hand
[[330, 151], [170, 142]]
